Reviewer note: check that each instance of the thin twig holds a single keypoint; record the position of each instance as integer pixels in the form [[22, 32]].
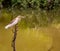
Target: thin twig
[[14, 38]]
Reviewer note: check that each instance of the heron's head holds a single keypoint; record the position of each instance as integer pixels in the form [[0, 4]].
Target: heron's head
[[21, 16]]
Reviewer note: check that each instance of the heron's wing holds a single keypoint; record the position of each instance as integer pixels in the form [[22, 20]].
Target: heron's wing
[[12, 21]]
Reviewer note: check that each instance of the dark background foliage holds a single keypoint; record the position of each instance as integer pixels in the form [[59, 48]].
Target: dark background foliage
[[34, 4]]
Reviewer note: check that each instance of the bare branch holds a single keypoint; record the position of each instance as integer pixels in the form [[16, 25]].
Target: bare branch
[[14, 38]]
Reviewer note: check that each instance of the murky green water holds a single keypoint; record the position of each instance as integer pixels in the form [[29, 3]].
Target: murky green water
[[42, 38]]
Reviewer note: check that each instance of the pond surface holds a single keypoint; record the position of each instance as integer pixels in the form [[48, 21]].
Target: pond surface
[[35, 32]]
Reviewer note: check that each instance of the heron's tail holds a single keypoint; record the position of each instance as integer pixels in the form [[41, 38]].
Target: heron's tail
[[7, 26]]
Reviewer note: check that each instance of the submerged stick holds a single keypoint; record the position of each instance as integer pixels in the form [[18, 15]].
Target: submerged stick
[[50, 48], [14, 38]]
